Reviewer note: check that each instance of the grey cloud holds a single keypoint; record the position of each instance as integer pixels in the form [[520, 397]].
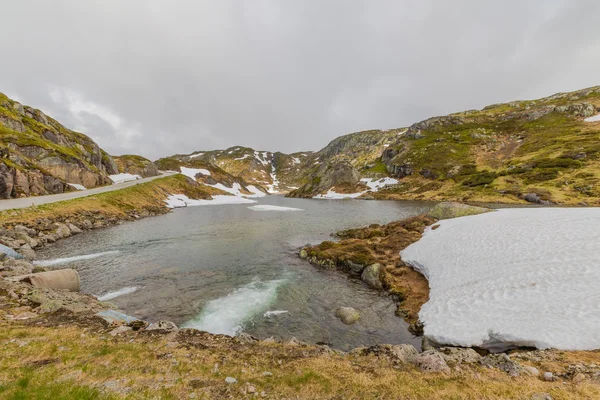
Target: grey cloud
[[163, 77]]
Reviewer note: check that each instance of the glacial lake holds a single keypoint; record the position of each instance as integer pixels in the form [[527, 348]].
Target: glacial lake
[[230, 269]]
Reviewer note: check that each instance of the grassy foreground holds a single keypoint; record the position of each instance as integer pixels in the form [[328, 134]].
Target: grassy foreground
[[70, 362]]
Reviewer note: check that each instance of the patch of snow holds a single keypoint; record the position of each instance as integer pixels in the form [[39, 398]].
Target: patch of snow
[[265, 207], [196, 155], [333, 195], [242, 158], [180, 200], [262, 158], [386, 145], [192, 172], [255, 192], [402, 132], [524, 277], [120, 178], [296, 160], [374, 186], [77, 186], [595, 118]]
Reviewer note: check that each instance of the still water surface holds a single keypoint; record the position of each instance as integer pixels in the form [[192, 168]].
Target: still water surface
[[229, 269]]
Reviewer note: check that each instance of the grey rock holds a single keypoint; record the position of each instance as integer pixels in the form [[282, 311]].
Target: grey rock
[[404, 353], [533, 371], [230, 380], [74, 229], [27, 252], [347, 315], [371, 276], [541, 396], [548, 377], [502, 362], [62, 230], [354, 267], [431, 361], [458, 355], [163, 326], [119, 330]]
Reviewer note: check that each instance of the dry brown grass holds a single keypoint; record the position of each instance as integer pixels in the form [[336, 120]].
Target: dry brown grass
[[71, 362]]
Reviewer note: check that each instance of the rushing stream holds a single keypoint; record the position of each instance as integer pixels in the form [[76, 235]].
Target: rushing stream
[[227, 269]]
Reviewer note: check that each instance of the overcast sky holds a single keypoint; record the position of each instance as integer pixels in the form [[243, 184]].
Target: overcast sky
[[162, 77]]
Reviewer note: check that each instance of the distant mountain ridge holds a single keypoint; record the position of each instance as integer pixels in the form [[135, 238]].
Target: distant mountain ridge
[[541, 151]]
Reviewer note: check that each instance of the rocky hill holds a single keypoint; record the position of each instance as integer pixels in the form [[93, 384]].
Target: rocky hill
[[277, 171], [40, 156], [543, 151], [205, 170], [136, 165]]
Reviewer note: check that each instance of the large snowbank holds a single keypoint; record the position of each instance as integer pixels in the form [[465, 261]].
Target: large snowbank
[[120, 178], [526, 277], [373, 184]]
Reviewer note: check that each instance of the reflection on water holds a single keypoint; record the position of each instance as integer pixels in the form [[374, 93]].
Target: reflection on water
[[228, 269]]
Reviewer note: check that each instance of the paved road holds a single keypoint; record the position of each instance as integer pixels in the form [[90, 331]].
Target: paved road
[[25, 202]]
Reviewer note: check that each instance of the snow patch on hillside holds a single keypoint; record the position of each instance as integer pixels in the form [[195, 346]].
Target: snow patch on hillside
[[374, 186], [120, 178], [514, 277], [192, 172]]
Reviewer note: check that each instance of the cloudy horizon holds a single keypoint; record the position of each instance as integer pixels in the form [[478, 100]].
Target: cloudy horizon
[[157, 78]]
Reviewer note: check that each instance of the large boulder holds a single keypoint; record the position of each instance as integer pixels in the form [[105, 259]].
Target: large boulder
[[372, 276], [447, 210]]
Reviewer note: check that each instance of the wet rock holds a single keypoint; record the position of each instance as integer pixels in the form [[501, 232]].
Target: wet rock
[[371, 276], [431, 361], [447, 210], [74, 229], [354, 267], [62, 230], [347, 315], [502, 362]]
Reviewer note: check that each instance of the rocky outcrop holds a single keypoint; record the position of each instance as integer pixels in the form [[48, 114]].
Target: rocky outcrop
[[40, 156], [136, 165]]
